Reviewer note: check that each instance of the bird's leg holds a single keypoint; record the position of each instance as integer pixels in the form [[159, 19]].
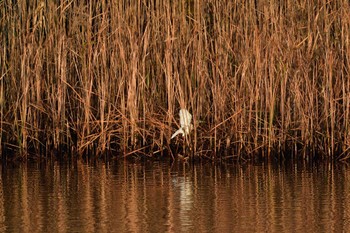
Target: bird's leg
[[184, 148], [187, 145]]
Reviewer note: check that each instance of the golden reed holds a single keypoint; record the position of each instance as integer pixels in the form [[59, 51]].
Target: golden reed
[[259, 77]]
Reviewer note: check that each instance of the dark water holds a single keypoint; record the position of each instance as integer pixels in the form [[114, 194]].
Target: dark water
[[160, 197]]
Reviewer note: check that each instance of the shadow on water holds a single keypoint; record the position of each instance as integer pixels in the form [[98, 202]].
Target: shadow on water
[[76, 196]]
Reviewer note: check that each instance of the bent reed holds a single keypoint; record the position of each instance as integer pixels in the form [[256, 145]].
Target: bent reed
[[259, 77]]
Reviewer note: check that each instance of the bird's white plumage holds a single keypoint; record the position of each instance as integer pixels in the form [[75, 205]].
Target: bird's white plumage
[[185, 118], [185, 123], [178, 132]]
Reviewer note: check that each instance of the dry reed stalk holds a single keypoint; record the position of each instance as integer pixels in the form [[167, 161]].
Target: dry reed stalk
[[108, 76]]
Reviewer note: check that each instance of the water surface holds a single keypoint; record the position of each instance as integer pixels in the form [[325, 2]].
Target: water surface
[[178, 197]]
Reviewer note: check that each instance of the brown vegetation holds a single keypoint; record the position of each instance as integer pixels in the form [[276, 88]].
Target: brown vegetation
[[258, 76]]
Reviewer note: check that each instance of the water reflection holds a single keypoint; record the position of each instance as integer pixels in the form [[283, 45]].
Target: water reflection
[[163, 197]]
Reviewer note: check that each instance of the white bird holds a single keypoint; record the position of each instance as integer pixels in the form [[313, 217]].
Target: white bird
[[185, 123]]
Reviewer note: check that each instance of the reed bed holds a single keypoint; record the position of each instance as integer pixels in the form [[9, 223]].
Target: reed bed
[[259, 77]]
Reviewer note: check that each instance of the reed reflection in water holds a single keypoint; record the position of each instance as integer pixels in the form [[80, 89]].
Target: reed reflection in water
[[163, 197]]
